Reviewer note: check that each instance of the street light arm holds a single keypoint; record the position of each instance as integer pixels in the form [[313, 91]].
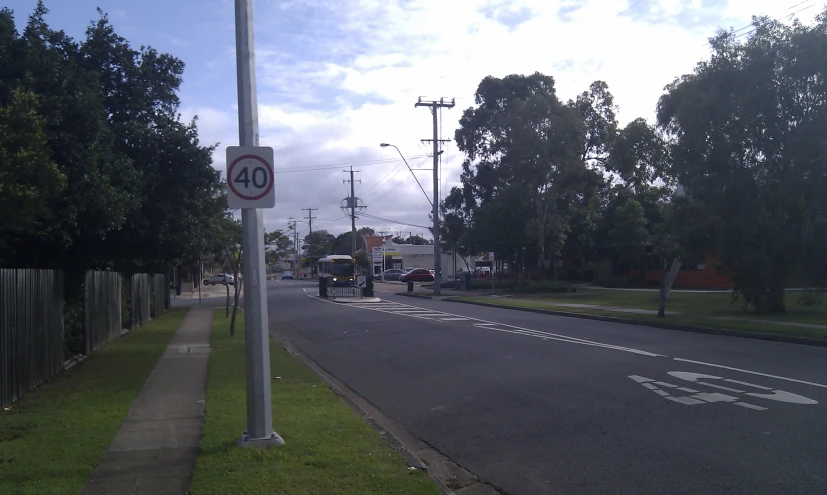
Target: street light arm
[[384, 145]]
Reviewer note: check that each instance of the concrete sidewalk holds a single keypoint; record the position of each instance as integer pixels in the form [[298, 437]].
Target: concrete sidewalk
[[157, 446]]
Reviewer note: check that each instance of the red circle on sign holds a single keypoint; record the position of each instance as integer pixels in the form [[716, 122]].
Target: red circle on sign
[[267, 167]]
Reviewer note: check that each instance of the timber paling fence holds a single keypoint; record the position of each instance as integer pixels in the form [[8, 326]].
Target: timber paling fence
[[32, 332]]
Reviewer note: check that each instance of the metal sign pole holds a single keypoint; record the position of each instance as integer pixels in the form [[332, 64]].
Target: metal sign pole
[[259, 407]]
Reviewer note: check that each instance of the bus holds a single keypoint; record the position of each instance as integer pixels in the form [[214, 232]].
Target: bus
[[340, 267]]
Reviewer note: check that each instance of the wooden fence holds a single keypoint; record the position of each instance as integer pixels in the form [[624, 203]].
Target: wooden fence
[[31, 330], [32, 333]]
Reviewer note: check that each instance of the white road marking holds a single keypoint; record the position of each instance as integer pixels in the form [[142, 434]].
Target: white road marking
[[429, 314], [821, 385], [664, 384], [712, 397], [404, 310], [688, 401]]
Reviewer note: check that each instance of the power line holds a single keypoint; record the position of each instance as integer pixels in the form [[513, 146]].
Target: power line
[[630, 7], [332, 167], [387, 220], [393, 188], [777, 18]]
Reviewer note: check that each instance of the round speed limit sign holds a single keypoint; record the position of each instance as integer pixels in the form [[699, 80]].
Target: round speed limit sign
[[250, 177]]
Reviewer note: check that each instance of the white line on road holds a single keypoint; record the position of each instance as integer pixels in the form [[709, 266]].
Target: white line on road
[[752, 372], [406, 310]]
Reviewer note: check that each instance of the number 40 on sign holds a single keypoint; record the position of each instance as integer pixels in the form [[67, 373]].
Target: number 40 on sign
[[250, 177]]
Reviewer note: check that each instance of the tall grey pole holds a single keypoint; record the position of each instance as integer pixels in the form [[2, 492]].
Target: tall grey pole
[[257, 340], [435, 212], [434, 106]]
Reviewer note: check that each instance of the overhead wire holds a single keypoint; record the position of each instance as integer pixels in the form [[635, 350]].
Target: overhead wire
[[393, 188], [776, 18], [380, 219], [333, 167]]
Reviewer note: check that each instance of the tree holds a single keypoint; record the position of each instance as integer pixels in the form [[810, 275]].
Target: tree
[[277, 245], [520, 138], [29, 179], [746, 130], [416, 240], [139, 192], [366, 231], [227, 245], [319, 243], [638, 156], [362, 259], [687, 233], [629, 234]]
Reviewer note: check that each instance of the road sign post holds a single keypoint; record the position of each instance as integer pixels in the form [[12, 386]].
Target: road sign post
[[250, 188]]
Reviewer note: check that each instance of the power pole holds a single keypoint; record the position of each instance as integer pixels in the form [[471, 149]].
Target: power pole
[[435, 105], [310, 217], [382, 233], [259, 431], [292, 226], [352, 205]]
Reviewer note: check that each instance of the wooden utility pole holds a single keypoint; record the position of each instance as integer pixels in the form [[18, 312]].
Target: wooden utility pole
[[435, 105], [352, 205], [310, 217]]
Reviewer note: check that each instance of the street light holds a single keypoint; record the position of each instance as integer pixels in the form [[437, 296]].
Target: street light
[[385, 145]]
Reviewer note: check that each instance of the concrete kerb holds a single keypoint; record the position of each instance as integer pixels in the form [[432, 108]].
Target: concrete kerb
[[439, 468], [790, 339]]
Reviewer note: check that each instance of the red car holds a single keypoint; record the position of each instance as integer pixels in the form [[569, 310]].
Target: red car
[[418, 275]]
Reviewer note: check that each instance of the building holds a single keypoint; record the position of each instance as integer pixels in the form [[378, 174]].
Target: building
[[405, 256]]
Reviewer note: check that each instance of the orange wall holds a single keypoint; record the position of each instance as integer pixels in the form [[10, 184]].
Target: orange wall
[[708, 277]]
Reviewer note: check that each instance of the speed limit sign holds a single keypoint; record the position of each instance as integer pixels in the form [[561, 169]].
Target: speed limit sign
[[250, 177]]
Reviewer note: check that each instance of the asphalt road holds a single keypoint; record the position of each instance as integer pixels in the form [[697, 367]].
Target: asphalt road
[[538, 404]]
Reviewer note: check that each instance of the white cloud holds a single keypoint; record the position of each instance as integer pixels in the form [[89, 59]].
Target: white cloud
[[373, 58]]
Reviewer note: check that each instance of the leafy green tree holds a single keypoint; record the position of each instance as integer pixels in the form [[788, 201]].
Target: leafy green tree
[[226, 244], [416, 240], [747, 132], [362, 259], [319, 243], [29, 179], [522, 139], [629, 234], [277, 246]]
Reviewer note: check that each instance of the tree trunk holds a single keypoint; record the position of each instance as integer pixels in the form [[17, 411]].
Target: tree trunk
[[666, 281], [227, 312], [235, 309], [662, 292], [775, 299]]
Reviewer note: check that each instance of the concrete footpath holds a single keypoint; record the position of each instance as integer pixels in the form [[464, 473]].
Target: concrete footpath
[[157, 446]]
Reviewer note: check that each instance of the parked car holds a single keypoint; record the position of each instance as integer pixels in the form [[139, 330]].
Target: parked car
[[220, 279], [391, 274], [417, 275], [287, 275]]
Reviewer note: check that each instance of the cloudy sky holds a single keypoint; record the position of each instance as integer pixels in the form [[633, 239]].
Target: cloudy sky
[[338, 77]]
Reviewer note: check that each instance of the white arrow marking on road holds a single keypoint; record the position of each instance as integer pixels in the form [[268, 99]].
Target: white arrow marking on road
[[777, 395]]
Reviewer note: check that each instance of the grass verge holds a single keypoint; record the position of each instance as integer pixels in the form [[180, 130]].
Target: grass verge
[[768, 326], [52, 439], [328, 448], [699, 303]]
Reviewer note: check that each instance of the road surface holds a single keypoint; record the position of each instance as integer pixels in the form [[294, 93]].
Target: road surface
[[537, 404]]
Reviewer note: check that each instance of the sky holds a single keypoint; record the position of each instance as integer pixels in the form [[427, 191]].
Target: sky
[[336, 78]]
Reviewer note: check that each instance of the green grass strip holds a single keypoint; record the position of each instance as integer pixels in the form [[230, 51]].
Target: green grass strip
[[768, 326], [54, 437], [328, 449]]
